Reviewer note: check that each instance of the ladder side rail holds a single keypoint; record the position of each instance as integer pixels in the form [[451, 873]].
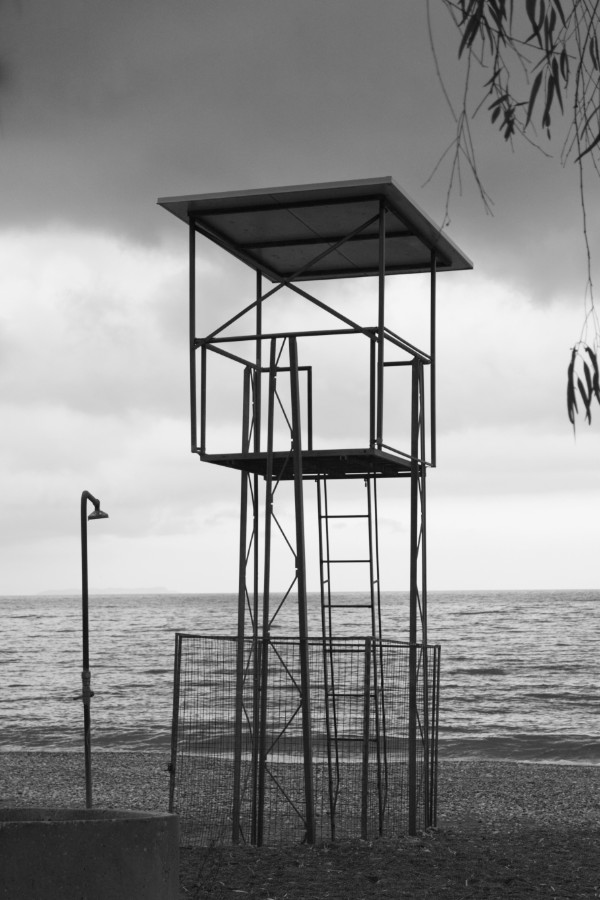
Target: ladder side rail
[[378, 669], [329, 680], [242, 584]]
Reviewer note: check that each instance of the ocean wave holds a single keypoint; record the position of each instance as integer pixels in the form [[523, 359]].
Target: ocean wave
[[481, 670]]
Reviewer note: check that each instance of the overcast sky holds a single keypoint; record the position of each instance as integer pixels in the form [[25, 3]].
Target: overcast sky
[[104, 108]]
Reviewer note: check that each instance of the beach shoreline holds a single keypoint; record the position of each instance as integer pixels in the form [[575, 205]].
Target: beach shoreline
[[485, 789], [505, 829]]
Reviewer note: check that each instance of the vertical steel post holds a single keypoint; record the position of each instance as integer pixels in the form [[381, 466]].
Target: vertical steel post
[[240, 650], [372, 390], [87, 693], [257, 385], [86, 678], [423, 592], [203, 384], [432, 349], [422, 502], [256, 424], [381, 324], [302, 593], [309, 405], [256, 655], [413, 601], [192, 334]]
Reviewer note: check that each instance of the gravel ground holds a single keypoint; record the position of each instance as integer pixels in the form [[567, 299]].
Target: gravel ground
[[474, 793], [504, 830]]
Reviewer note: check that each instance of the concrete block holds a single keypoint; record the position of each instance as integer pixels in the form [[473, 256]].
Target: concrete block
[[88, 854]]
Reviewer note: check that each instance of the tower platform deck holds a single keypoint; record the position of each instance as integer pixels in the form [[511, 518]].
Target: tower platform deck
[[332, 463]]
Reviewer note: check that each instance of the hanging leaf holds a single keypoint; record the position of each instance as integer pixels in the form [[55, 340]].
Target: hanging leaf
[[586, 399], [497, 13], [540, 22], [588, 380], [550, 26], [572, 407], [596, 376], [549, 99], [560, 11], [564, 64], [499, 101], [470, 32], [508, 124], [532, 96], [530, 6], [530, 9], [594, 52], [557, 83]]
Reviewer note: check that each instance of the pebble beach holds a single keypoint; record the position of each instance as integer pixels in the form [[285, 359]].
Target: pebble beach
[[519, 829]]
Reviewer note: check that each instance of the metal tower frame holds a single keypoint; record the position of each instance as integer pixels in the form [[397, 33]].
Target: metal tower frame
[[291, 236]]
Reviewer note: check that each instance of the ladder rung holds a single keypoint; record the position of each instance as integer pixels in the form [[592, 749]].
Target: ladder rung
[[347, 606], [346, 560], [345, 516]]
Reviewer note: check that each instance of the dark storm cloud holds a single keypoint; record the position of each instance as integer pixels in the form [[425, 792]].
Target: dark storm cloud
[[113, 105], [108, 106]]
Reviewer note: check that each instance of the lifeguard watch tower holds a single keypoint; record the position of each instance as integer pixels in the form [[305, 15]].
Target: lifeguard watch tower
[[331, 731]]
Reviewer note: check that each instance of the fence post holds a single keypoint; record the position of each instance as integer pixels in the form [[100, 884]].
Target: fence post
[[364, 805], [175, 721]]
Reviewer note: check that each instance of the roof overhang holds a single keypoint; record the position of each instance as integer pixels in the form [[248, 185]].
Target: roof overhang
[[287, 232]]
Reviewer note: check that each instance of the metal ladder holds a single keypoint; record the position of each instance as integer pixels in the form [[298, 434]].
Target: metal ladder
[[338, 698], [370, 560]]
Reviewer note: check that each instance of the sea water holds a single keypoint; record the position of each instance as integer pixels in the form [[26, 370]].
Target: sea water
[[520, 671]]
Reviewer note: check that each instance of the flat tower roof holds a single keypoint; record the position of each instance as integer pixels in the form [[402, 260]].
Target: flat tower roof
[[279, 231]]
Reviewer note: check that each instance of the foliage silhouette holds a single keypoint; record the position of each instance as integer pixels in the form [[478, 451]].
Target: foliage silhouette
[[539, 60]]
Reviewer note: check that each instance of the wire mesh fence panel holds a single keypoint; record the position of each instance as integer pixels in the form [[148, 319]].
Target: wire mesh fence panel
[[254, 760]]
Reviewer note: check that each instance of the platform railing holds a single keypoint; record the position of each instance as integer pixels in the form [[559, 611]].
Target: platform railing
[[238, 349]]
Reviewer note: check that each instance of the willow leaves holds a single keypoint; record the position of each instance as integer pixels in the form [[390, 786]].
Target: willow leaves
[[582, 379]]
